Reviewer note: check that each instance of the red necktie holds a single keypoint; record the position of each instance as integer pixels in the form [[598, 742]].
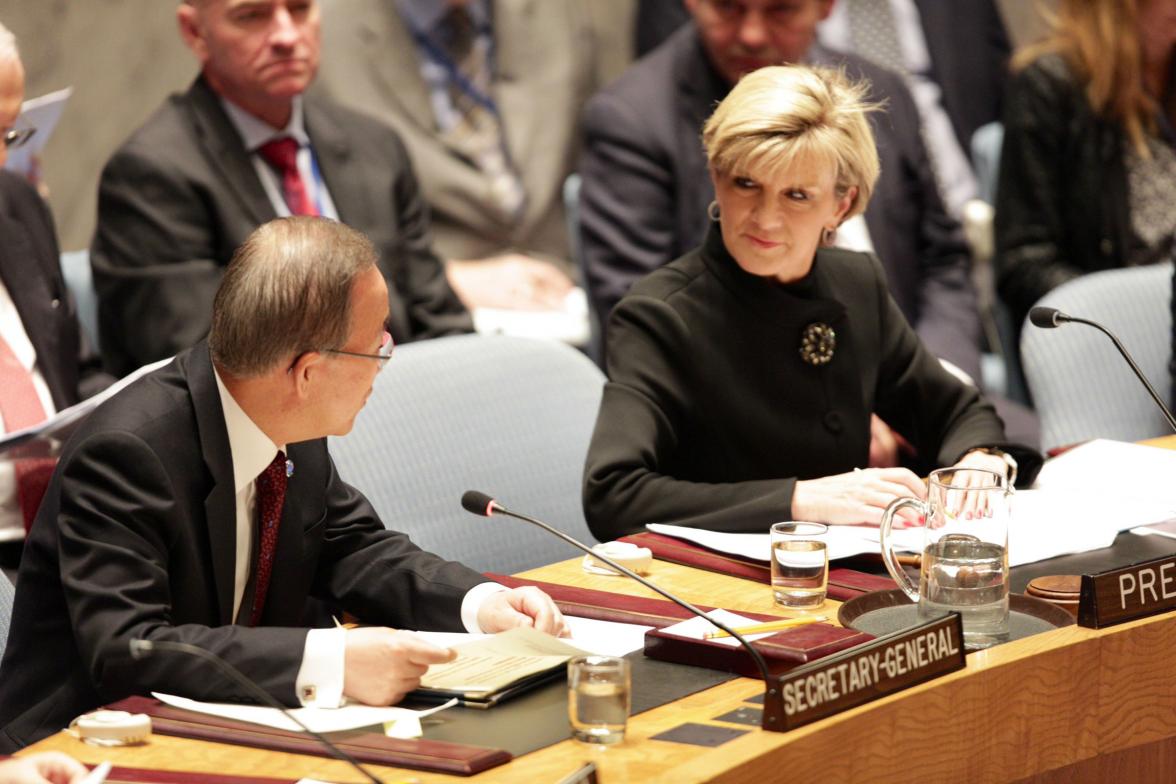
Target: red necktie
[[282, 155], [21, 408], [271, 493]]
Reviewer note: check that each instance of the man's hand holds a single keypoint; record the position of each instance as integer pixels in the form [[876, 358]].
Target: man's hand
[[512, 281], [527, 606], [381, 665], [51, 767]]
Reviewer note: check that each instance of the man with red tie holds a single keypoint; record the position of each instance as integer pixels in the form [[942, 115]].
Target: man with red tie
[[242, 146], [200, 505], [43, 367]]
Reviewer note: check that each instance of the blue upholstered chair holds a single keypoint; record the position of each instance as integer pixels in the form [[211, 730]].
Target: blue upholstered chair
[[1080, 385], [75, 266], [507, 416]]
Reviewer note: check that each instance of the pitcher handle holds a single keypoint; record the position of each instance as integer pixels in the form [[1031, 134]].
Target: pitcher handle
[[896, 571]]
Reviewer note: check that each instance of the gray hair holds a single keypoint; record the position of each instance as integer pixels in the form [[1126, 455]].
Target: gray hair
[[778, 114], [286, 291], [8, 50]]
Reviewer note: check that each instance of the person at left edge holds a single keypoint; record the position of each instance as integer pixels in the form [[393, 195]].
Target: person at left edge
[[200, 505], [46, 365], [185, 190]]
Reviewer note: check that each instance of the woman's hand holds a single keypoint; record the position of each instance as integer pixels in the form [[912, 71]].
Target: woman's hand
[[985, 460], [859, 496]]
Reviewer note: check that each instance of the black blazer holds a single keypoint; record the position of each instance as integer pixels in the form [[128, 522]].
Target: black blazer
[[1062, 201], [136, 538], [30, 267], [646, 188], [181, 194], [710, 415]]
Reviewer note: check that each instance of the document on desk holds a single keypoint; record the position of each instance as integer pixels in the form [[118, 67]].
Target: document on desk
[[348, 717], [494, 667], [1080, 502], [842, 541]]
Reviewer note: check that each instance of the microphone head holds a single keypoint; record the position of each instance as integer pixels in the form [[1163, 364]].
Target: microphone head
[[1046, 318], [477, 503]]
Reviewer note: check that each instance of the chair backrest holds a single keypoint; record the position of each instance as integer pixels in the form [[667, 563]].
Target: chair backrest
[[511, 417], [79, 279], [1080, 385], [986, 147], [571, 200], [7, 595]]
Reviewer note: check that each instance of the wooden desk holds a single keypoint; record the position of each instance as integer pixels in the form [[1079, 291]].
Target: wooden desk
[[1068, 705]]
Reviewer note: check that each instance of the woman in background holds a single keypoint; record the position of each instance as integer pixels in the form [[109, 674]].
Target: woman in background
[[1088, 169], [743, 375]]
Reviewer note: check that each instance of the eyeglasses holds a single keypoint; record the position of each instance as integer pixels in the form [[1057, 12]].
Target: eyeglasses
[[15, 137], [382, 358]]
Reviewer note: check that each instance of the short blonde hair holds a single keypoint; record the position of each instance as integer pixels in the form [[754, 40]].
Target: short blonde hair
[[777, 115]]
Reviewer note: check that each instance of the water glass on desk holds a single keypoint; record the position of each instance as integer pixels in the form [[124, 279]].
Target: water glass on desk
[[599, 695], [800, 565]]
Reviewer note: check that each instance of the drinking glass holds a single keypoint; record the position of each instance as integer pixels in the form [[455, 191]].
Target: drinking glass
[[800, 565], [599, 695]]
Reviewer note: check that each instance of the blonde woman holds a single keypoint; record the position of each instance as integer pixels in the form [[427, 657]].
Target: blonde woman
[[742, 376], [1088, 169]]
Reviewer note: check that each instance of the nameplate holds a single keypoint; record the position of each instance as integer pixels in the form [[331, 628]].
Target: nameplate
[[1121, 595], [864, 673]]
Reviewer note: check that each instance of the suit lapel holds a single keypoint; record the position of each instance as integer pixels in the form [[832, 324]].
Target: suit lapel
[[220, 505], [389, 40], [226, 153], [345, 182]]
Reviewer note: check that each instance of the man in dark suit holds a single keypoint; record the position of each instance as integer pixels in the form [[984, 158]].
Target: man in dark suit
[[240, 147], [41, 348], [645, 186], [200, 505]]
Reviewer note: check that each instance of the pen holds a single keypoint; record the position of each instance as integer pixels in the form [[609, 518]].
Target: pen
[[770, 626], [97, 775]]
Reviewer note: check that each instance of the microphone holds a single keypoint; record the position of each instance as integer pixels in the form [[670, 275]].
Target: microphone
[[142, 649], [1050, 318], [481, 504]]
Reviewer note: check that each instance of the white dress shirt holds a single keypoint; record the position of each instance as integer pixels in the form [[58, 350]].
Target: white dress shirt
[[12, 330], [320, 677], [255, 133], [953, 168]]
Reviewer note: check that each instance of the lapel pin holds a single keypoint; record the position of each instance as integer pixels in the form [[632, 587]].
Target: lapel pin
[[289, 468]]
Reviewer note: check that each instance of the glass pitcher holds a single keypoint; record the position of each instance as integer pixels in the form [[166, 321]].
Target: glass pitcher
[[965, 552]]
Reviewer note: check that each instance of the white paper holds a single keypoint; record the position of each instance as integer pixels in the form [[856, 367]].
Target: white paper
[[1080, 502], [602, 638], [43, 114], [841, 541], [45, 439], [348, 717], [696, 628], [569, 324], [605, 638]]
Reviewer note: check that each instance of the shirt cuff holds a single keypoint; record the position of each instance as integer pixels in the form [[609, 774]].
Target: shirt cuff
[[320, 678], [472, 603]]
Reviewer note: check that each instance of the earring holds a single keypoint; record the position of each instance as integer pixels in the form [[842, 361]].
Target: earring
[[712, 210], [828, 236]]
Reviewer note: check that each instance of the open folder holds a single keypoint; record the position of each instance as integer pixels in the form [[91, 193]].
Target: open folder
[[490, 670]]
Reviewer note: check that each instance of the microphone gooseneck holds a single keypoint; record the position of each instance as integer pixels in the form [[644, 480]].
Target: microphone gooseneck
[[141, 649], [481, 504], [1047, 318]]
